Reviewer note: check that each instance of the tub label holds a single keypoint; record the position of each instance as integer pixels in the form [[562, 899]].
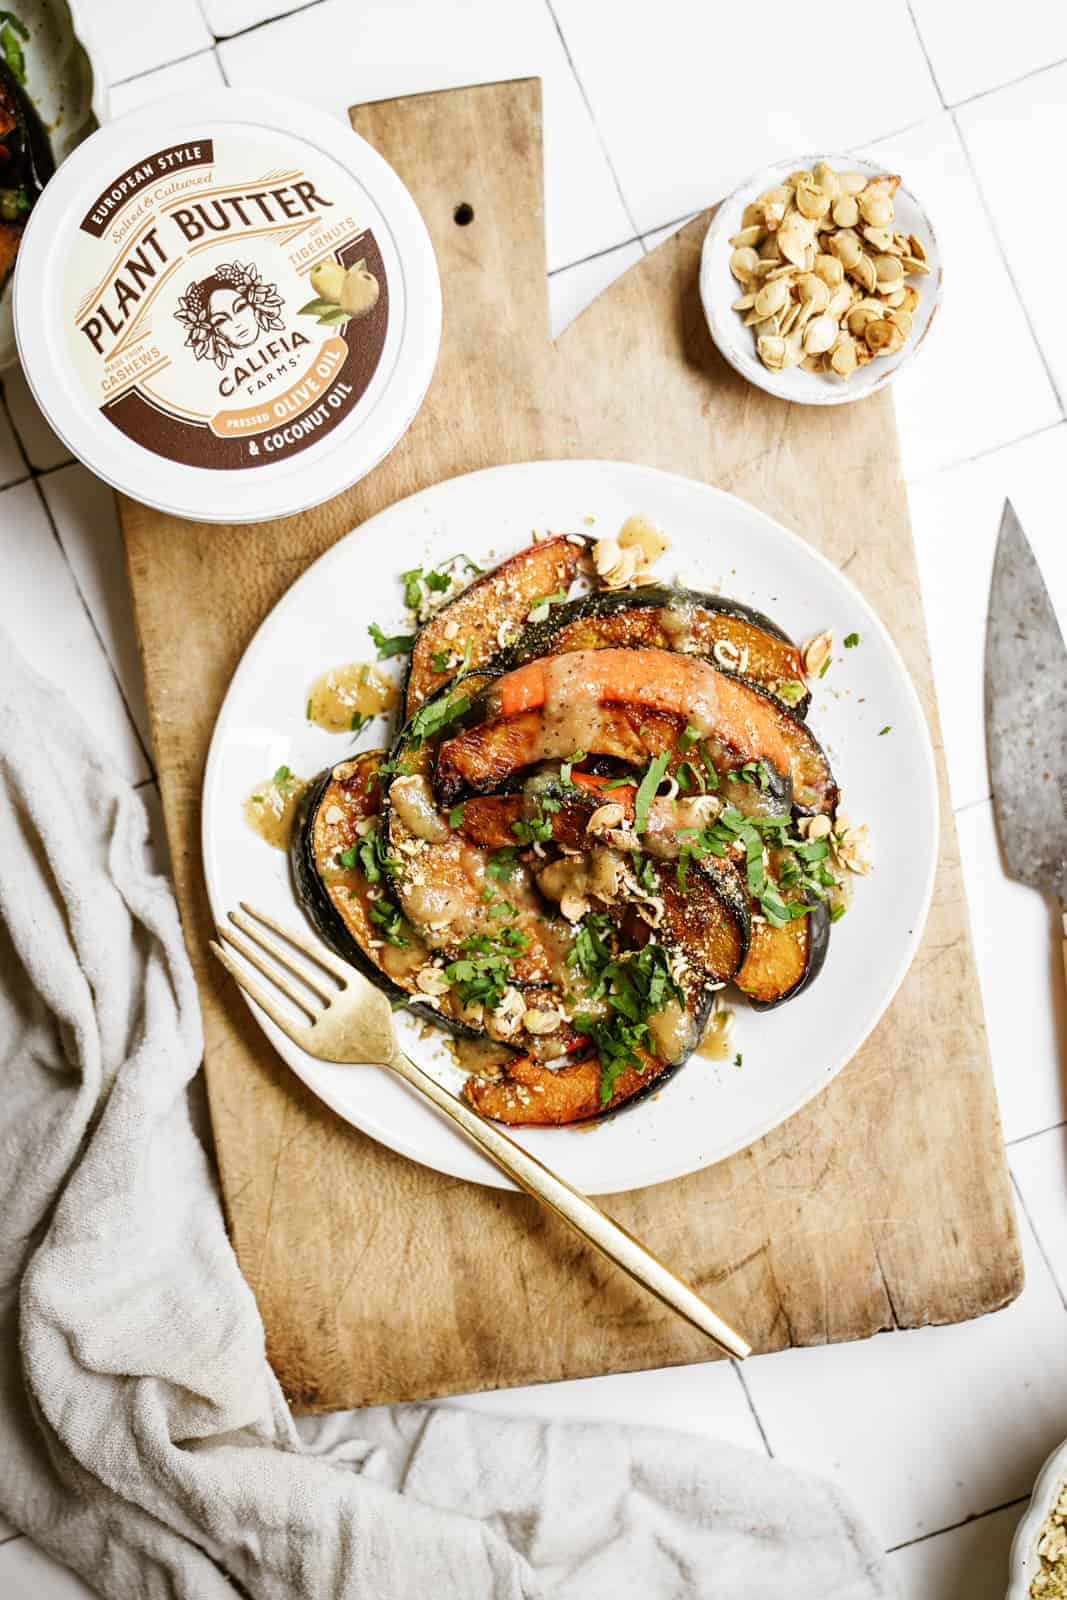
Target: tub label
[[227, 304]]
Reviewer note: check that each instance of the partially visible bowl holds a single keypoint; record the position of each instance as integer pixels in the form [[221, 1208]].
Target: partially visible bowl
[[1024, 1562], [68, 92], [719, 289]]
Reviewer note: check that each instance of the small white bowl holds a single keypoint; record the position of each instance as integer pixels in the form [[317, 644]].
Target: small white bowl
[[719, 289], [1023, 1561]]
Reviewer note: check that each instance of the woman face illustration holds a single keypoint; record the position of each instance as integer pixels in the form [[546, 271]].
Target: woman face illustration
[[232, 317]]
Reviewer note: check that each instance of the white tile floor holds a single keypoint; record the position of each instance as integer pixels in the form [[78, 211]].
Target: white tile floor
[[936, 1434]]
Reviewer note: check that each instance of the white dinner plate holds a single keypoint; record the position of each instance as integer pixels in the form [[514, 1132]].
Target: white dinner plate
[[708, 1109]]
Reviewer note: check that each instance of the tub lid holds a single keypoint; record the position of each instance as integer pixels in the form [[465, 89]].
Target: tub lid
[[228, 308]]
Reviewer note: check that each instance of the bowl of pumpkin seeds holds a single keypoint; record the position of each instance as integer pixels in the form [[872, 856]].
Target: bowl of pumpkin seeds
[[820, 277]]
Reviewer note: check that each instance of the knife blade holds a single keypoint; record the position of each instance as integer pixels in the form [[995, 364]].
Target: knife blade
[[1026, 715]]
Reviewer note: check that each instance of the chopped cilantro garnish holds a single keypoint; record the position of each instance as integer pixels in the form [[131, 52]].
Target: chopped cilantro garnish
[[386, 916], [635, 987], [566, 767], [689, 735], [646, 789], [437, 714], [791, 690], [501, 863], [440, 659], [483, 971], [456, 815], [887, 729], [283, 780], [644, 872], [738, 1059], [397, 644], [437, 581], [713, 776], [851, 641], [590, 952], [369, 855], [10, 33], [412, 588], [359, 720], [836, 913], [537, 827]]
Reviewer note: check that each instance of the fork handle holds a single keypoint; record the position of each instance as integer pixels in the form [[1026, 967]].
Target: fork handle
[[575, 1209]]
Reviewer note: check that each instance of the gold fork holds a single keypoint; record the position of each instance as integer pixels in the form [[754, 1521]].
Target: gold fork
[[353, 1024]]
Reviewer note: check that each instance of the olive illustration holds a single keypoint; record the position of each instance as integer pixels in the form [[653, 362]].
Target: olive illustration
[[360, 291], [327, 280]]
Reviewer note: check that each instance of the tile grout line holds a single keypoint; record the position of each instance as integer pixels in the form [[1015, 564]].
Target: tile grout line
[[980, 455], [1007, 264], [595, 255], [964, 1522], [43, 499], [757, 1419], [161, 66], [264, 22], [1024, 1138], [1024, 1208], [925, 53], [596, 125], [1009, 83]]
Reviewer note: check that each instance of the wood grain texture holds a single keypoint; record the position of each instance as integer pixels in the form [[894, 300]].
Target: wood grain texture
[[886, 1202]]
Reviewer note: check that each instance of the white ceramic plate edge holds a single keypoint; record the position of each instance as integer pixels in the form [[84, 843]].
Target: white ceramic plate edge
[[308, 1070]]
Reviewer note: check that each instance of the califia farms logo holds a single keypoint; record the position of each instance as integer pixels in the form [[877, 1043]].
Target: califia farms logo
[[228, 311]]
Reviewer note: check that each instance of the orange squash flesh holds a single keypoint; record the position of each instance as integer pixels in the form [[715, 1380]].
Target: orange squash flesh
[[631, 704]]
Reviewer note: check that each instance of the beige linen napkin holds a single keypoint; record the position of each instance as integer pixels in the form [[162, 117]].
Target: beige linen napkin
[[143, 1438]]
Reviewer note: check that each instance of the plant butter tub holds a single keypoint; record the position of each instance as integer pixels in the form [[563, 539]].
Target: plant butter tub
[[231, 310]]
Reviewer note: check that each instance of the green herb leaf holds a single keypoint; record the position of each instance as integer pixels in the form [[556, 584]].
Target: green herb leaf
[[397, 644], [536, 828], [440, 659], [851, 641], [412, 587], [501, 863], [437, 714], [456, 815], [646, 789], [738, 1059], [791, 690], [283, 780], [9, 44], [883, 731]]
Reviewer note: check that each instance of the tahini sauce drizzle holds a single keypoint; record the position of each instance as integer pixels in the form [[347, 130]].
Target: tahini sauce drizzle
[[716, 1043], [270, 808], [345, 697]]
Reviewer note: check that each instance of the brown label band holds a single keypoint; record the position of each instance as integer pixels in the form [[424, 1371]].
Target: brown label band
[[351, 356], [175, 158]]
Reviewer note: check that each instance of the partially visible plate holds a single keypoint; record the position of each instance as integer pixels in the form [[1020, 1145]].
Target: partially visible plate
[[69, 95], [709, 1109]]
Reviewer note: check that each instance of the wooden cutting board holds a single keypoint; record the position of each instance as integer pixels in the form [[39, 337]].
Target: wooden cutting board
[[886, 1202]]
